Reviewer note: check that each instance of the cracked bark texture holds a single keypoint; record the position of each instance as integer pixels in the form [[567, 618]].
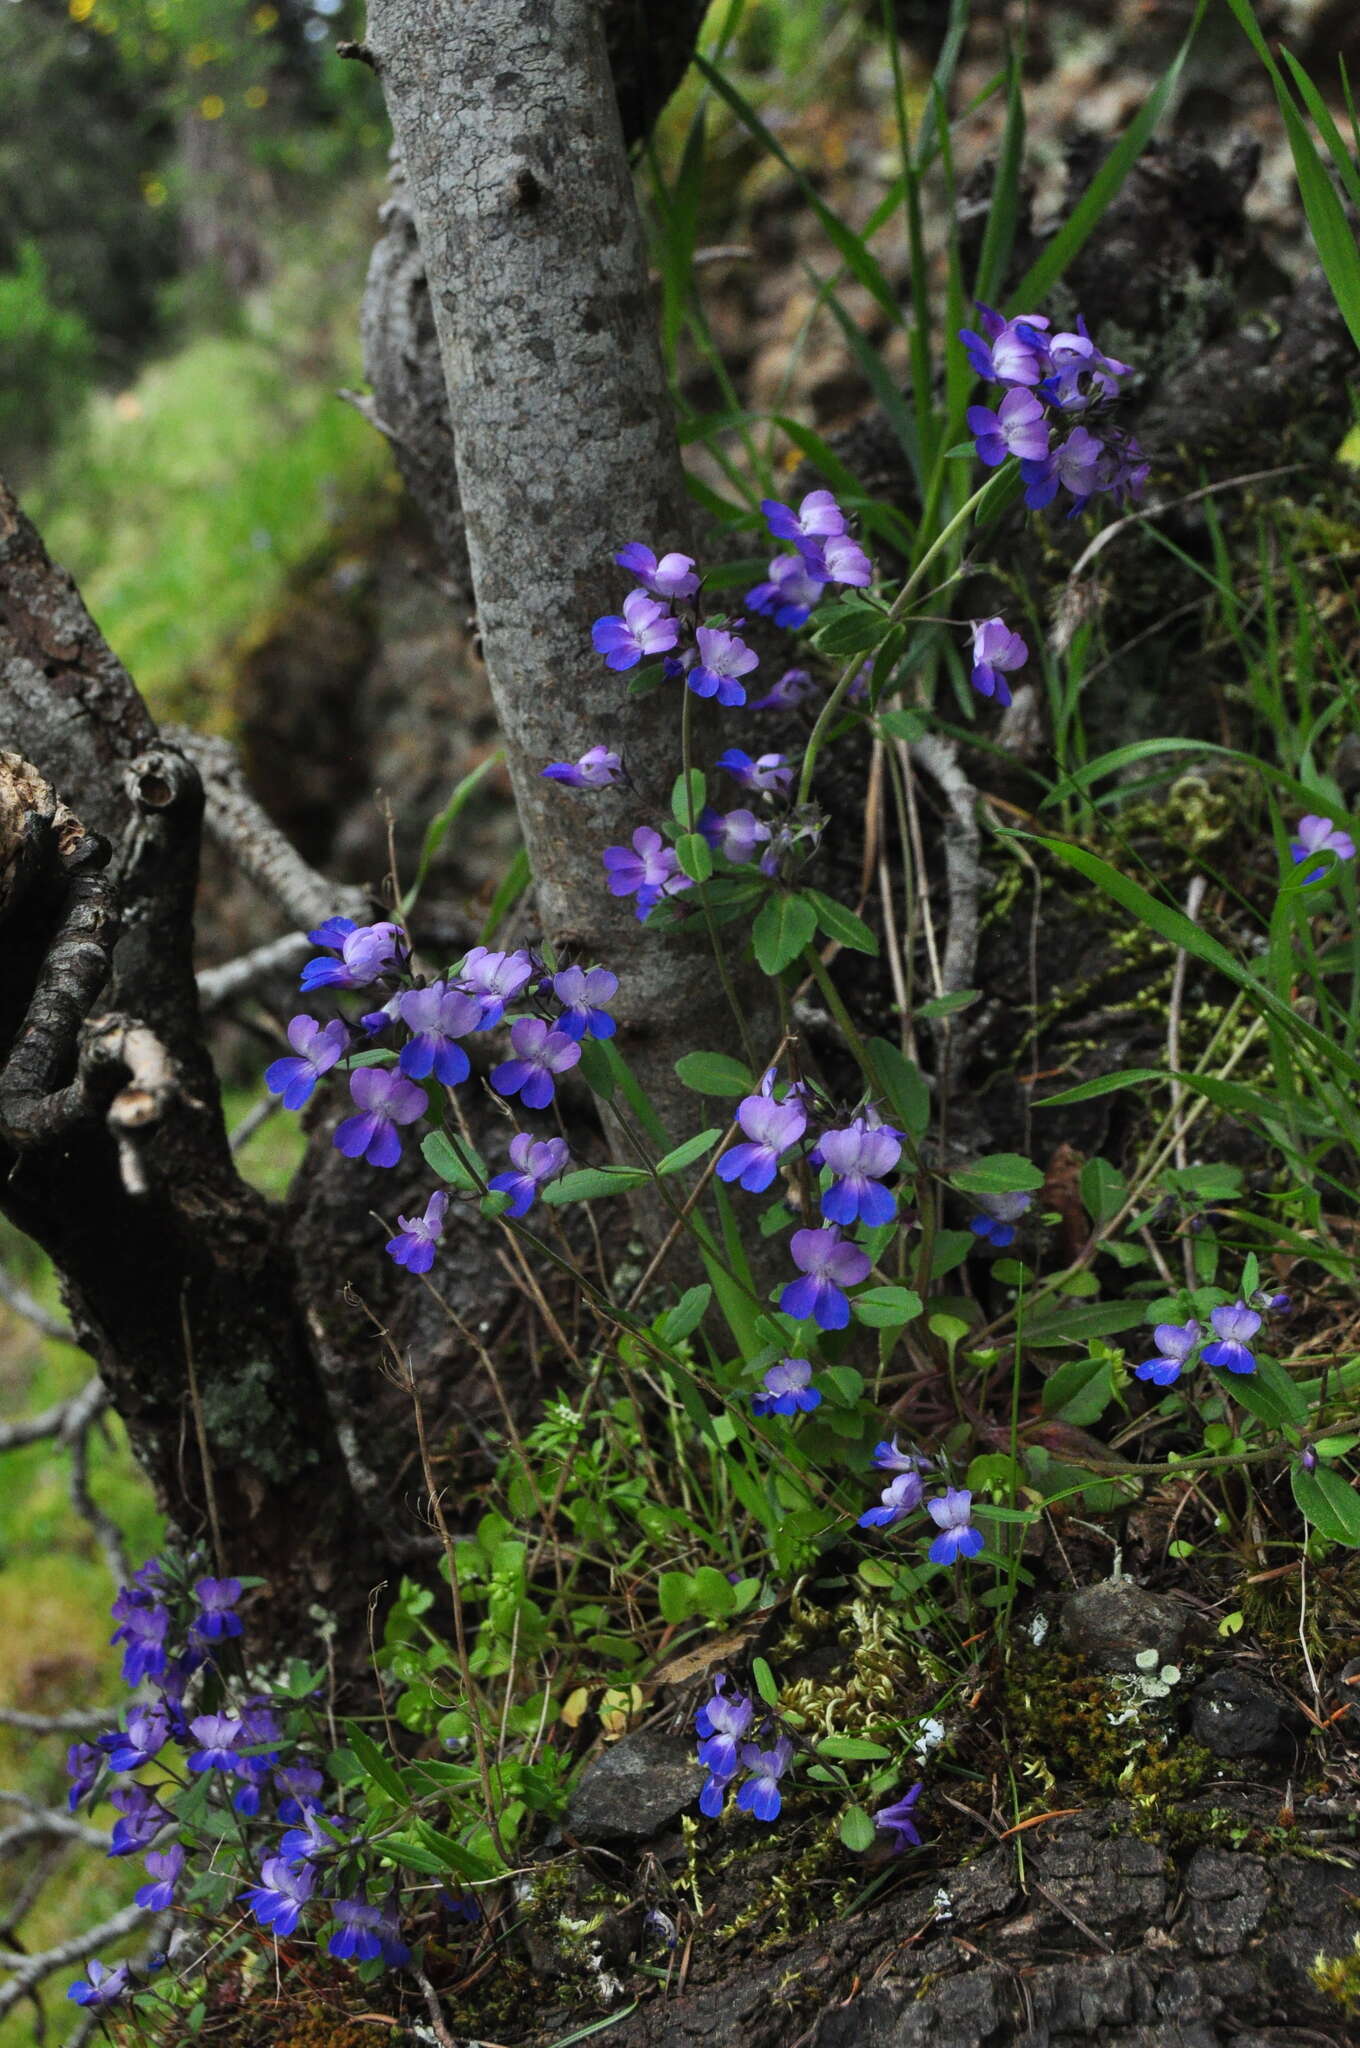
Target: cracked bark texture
[[99, 833], [509, 132]]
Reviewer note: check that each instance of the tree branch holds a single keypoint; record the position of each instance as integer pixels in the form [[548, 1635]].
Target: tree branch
[[21, 1302]]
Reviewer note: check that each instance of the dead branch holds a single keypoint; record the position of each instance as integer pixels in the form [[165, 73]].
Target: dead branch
[[65, 1420], [218, 986], [30, 1971], [239, 825], [22, 1303], [76, 1722]]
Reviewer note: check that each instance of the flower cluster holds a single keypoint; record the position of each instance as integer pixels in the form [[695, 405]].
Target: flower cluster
[[721, 1724], [951, 1511], [662, 619], [1319, 835], [1226, 1344], [252, 1762], [1058, 388], [388, 1083]]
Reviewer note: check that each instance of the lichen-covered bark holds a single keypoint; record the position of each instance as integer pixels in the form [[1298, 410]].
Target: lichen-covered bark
[[565, 447]]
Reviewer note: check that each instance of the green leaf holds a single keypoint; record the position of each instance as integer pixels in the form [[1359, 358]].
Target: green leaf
[[886, 1308], [906, 725], [439, 827], [714, 1073], [1270, 1396], [857, 1829], [848, 629], [1089, 210], [1080, 1391], [441, 1158], [697, 789], [903, 1084], [1326, 1500], [686, 1154], [1103, 1188], [715, 1597], [950, 1249], [763, 1679], [695, 856], [945, 1006], [841, 924], [784, 926], [999, 1173], [511, 887], [591, 1182], [686, 1316], [675, 1596], [852, 1749], [1074, 1325], [376, 1764]]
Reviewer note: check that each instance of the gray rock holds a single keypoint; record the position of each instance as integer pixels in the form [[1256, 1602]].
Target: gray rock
[[635, 1787], [1234, 1715], [1111, 1623]]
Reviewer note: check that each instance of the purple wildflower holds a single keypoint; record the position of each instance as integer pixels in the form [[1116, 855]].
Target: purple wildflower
[[793, 688], [310, 1841], [760, 1795], [146, 1734], [143, 1817], [218, 1735], [103, 1986], [367, 1932], [1017, 427], [859, 1156], [83, 1763], [1081, 374], [900, 1497], [316, 1048], [786, 1390], [1007, 351], [1082, 465], [996, 652], [437, 1017], [1000, 1214], [829, 1264], [890, 1457], [768, 772], [384, 1099], [495, 979], [770, 1127], [536, 1162], [1175, 1342], [165, 1867], [216, 1598], [648, 870], [145, 1626], [817, 516], [952, 1515], [790, 595], [301, 1786], [723, 658], [414, 1244], [673, 576], [367, 951], [1319, 835], [733, 834], [1234, 1327], [837, 559], [597, 768], [540, 1055], [277, 1902], [900, 1820], [721, 1722], [647, 627], [585, 994]]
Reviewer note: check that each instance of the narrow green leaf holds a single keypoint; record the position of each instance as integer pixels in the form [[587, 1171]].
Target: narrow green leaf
[[695, 856], [763, 1679], [441, 1158], [852, 1749], [857, 1829], [511, 887], [686, 1316], [591, 1182], [841, 924], [687, 792], [904, 1085], [376, 1764], [886, 1308], [686, 1154], [999, 1173], [1327, 1501], [439, 827]]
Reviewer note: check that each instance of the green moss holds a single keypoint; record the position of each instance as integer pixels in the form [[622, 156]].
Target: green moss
[[1072, 1723], [1338, 1978]]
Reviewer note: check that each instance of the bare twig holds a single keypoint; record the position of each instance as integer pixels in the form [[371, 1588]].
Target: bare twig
[[51, 1827], [21, 1301], [240, 825], [78, 1721], [254, 1120], [31, 1970], [107, 1533], [1194, 898], [63, 1420], [218, 986]]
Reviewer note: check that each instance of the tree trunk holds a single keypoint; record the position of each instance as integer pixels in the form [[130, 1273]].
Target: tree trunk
[[564, 443]]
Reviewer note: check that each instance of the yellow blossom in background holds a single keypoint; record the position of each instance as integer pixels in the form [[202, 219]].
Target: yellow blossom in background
[[80, 10], [153, 189], [264, 18], [257, 96], [212, 106]]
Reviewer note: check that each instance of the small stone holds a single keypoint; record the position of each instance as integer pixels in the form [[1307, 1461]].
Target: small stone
[[1234, 1715], [635, 1787], [1115, 1623]]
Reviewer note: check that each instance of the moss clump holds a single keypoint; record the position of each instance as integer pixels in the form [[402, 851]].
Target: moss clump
[[1075, 1724], [1338, 1978]]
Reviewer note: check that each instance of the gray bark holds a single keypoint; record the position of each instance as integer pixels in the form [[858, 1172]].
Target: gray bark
[[518, 178]]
